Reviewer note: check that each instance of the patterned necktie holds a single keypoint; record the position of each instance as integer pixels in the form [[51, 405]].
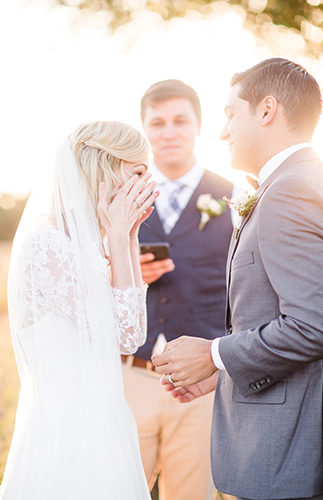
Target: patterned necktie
[[172, 211]]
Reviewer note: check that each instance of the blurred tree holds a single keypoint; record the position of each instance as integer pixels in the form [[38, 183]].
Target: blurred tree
[[303, 17], [11, 208]]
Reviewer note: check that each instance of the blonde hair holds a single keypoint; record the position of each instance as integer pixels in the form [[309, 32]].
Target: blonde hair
[[100, 148]]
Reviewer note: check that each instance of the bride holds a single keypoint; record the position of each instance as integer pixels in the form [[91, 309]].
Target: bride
[[75, 304]]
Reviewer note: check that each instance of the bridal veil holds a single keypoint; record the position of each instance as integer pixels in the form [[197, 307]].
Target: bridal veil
[[75, 437]]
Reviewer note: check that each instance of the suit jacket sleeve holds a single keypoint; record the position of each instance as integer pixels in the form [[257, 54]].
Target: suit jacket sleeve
[[290, 238]]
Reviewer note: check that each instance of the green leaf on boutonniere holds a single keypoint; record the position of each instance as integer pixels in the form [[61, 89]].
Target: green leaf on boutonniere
[[243, 205]]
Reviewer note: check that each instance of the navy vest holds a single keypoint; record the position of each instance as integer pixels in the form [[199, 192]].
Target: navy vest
[[191, 299]]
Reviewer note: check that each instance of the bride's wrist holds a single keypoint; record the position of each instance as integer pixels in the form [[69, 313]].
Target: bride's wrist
[[134, 242], [117, 238]]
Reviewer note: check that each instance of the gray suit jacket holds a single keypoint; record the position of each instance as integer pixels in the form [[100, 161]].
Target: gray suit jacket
[[267, 423]]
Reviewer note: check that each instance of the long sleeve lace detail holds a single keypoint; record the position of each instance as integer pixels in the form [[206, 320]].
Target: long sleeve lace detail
[[52, 318], [47, 278], [130, 318], [46, 311]]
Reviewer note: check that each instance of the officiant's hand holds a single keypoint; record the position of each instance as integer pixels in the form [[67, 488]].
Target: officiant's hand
[[190, 392], [187, 360], [152, 269]]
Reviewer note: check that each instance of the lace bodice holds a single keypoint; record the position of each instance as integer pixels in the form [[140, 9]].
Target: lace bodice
[[47, 295]]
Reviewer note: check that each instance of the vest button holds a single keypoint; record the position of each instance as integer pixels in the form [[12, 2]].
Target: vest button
[[161, 321], [163, 300]]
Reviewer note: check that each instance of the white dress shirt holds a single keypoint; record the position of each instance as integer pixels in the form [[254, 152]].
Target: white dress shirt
[[264, 173], [166, 186]]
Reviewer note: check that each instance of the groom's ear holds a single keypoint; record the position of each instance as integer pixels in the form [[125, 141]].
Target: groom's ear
[[267, 110]]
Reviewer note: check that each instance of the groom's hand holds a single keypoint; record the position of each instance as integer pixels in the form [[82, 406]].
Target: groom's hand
[[187, 359]]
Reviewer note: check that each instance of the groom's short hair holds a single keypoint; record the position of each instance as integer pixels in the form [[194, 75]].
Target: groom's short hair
[[294, 88], [168, 89]]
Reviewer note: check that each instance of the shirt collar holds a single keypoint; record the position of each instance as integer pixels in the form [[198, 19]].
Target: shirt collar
[[190, 179], [278, 159]]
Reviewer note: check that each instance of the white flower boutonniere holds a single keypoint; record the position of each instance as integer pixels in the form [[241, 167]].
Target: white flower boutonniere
[[243, 204], [209, 207]]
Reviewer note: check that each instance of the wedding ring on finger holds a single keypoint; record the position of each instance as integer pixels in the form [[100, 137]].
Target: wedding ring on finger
[[138, 204], [170, 379]]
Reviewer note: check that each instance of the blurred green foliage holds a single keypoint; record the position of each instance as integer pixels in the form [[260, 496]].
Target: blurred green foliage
[[303, 17], [11, 208]]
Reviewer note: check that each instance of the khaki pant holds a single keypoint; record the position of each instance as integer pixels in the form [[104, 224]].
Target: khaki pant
[[174, 437]]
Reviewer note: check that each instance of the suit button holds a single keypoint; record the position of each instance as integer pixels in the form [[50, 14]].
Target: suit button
[[163, 300], [253, 386], [229, 330], [152, 340], [269, 379], [161, 321], [262, 381], [258, 385]]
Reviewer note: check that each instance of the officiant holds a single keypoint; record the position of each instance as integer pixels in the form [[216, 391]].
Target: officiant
[[186, 291]]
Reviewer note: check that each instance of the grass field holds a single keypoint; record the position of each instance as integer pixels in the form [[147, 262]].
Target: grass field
[[9, 381], [9, 390]]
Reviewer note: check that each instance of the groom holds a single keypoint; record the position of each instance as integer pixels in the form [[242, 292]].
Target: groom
[[267, 421]]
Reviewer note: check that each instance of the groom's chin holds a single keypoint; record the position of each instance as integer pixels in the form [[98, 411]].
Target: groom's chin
[[238, 166]]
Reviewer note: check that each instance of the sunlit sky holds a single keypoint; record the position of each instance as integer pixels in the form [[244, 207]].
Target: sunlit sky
[[59, 69]]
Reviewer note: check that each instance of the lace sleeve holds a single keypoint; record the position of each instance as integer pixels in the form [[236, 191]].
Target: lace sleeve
[[130, 317], [46, 279]]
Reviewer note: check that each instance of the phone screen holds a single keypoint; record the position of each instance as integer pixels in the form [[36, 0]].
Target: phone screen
[[160, 250]]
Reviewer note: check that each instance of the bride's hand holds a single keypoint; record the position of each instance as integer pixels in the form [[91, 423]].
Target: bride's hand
[[135, 228], [127, 210], [144, 216]]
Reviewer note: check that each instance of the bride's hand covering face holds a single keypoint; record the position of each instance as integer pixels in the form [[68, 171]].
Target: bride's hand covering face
[[131, 205], [112, 159]]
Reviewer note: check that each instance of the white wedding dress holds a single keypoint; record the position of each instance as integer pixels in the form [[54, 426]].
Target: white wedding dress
[[75, 437]]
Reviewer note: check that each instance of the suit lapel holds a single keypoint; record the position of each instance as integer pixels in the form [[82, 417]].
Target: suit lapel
[[234, 244], [305, 154], [236, 236]]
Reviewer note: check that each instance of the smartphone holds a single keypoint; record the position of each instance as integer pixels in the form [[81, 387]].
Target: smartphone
[[160, 250]]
